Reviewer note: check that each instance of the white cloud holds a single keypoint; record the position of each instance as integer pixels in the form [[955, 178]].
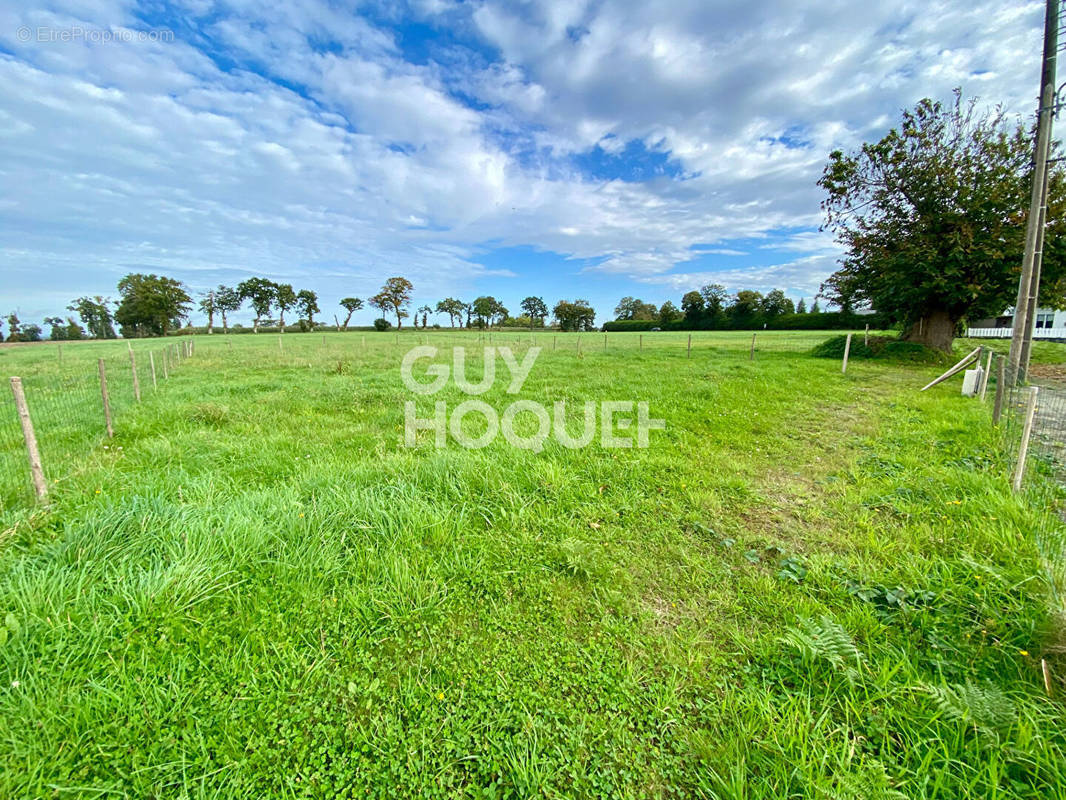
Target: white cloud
[[301, 143]]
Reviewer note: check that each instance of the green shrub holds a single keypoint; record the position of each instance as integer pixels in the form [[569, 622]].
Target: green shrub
[[881, 347], [382, 324], [630, 325]]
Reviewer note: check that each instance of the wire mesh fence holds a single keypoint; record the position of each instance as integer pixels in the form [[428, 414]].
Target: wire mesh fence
[[64, 393], [63, 382]]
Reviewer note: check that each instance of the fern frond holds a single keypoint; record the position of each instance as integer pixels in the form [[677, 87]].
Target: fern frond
[[825, 639], [986, 707]]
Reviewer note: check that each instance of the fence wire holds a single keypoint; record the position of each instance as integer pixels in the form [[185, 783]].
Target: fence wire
[[64, 396], [63, 390]]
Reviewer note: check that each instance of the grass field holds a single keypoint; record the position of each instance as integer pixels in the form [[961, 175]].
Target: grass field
[[809, 584]]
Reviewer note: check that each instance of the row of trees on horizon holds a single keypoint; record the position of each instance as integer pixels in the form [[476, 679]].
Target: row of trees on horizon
[[155, 305]]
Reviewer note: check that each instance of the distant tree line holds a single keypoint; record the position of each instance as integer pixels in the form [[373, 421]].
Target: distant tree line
[[155, 305], [713, 308]]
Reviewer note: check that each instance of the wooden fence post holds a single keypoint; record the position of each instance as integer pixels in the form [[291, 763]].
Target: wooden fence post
[[751, 353], [642, 342], [553, 341], [579, 344], [986, 373], [136, 383], [866, 336], [1001, 381], [605, 342], [32, 453], [689, 351], [1023, 446], [106, 399], [847, 352], [151, 363]]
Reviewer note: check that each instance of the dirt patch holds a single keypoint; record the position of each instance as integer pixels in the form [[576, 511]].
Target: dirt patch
[[1052, 376]]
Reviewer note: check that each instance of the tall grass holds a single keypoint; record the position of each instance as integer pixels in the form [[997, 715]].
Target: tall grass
[[810, 584]]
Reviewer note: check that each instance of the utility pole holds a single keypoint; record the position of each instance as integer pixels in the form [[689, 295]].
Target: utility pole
[[1029, 281]]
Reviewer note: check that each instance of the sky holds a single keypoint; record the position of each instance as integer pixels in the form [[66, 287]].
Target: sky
[[560, 148]]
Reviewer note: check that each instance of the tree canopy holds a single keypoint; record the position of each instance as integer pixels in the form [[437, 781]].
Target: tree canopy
[[260, 292], [536, 308], [575, 316], [307, 306], [932, 219], [95, 314], [394, 297], [151, 305], [351, 305], [453, 308]]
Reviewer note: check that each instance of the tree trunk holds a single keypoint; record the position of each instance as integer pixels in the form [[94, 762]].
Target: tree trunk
[[225, 326], [936, 329]]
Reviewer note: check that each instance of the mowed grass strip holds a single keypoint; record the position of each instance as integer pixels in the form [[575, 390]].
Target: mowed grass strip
[[808, 585]]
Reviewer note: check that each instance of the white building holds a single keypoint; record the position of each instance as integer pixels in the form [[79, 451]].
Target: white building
[[1050, 324]]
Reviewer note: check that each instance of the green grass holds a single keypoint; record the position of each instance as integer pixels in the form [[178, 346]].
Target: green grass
[[809, 585]]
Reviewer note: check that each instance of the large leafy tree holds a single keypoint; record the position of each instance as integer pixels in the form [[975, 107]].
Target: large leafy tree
[[151, 305], [95, 314], [260, 292], [668, 312], [775, 303], [714, 298], [745, 307], [351, 305], [536, 308], [489, 310], [932, 219], [634, 308], [208, 305], [394, 297], [284, 299], [227, 300], [453, 308], [575, 316], [307, 306], [692, 305]]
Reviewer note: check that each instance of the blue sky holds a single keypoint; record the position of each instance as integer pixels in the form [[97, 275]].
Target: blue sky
[[562, 148]]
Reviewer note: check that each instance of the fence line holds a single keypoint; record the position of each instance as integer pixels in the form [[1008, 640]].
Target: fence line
[[78, 394], [71, 405]]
